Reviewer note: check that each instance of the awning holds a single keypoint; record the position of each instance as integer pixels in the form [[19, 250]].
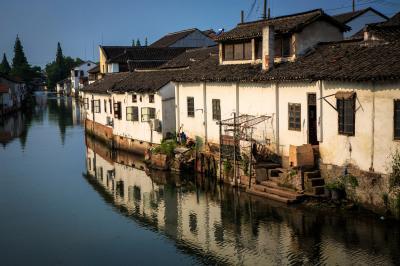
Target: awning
[[345, 95]]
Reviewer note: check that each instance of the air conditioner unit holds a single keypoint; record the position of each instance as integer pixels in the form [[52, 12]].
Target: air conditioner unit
[[157, 125]]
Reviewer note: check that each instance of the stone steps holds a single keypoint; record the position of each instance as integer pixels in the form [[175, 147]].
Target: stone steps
[[271, 196], [314, 183], [271, 190]]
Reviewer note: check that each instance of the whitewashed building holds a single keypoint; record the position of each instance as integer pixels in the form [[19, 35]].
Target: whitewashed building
[[12, 94], [80, 76]]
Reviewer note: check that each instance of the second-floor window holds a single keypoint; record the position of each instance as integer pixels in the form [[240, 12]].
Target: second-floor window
[[132, 113], [148, 113], [238, 51], [96, 106], [81, 73], [151, 98], [282, 46], [86, 103], [216, 109], [76, 72], [295, 116], [117, 110], [134, 98], [105, 106], [346, 115], [190, 106]]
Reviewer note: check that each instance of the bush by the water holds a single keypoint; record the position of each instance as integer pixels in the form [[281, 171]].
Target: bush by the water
[[167, 147]]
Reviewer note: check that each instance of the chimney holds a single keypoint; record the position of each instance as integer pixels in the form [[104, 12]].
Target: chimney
[[241, 16], [268, 48]]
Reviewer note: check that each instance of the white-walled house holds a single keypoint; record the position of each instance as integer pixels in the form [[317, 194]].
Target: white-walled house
[[138, 108], [341, 96], [358, 19], [80, 76], [12, 94]]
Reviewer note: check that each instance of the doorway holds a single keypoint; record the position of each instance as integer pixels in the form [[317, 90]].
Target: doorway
[[312, 118]]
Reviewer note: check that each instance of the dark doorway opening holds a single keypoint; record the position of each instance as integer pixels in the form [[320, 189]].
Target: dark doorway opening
[[312, 118]]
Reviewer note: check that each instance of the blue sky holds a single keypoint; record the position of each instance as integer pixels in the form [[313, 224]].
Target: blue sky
[[81, 25]]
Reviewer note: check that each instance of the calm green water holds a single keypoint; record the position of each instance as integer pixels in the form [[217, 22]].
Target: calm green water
[[65, 199]]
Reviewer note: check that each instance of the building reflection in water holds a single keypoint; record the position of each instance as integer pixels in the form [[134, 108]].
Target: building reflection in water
[[64, 111], [219, 225]]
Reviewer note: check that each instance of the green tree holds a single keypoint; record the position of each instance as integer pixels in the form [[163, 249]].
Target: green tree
[[59, 56], [133, 43], [20, 66], [60, 68], [145, 42], [138, 42], [5, 66]]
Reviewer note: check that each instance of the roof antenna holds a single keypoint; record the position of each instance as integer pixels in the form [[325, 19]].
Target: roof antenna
[[241, 16], [265, 10], [354, 6]]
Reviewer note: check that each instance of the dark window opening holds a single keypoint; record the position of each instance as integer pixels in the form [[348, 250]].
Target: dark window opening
[[259, 49], [238, 51], [151, 98], [117, 110], [397, 119], [216, 109], [295, 116], [282, 46], [346, 116], [190, 106], [134, 98]]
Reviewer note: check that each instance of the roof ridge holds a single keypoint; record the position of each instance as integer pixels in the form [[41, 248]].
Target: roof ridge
[[283, 16], [182, 31]]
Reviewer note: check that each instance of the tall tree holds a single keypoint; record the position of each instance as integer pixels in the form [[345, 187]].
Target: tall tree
[[59, 56], [138, 43], [5, 66], [20, 66], [133, 43], [145, 42]]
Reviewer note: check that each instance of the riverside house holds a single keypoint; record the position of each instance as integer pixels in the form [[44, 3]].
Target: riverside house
[[340, 96], [12, 94], [134, 110], [309, 86]]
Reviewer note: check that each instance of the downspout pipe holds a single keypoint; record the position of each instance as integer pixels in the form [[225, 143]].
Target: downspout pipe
[[373, 128]]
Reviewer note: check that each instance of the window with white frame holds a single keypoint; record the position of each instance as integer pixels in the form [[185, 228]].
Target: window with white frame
[[148, 113], [96, 106], [132, 113]]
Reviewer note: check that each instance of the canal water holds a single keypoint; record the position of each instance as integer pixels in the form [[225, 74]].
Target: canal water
[[66, 199]]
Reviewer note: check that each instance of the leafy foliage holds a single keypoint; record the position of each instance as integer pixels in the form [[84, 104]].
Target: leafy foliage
[[394, 180], [167, 147], [60, 67]]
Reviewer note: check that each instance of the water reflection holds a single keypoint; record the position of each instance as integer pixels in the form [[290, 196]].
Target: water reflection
[[63, 111], [218, 225]]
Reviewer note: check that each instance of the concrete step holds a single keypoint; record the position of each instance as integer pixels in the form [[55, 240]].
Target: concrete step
[[318, 190], [271, 196], [312, 174], [274, 172], [316, 182], [277, 191], [267, 165]]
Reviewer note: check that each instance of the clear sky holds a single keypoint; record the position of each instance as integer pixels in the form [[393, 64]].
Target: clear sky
[[81, 25]]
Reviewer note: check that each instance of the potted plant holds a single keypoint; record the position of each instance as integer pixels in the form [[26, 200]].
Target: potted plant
[[337, 189]]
